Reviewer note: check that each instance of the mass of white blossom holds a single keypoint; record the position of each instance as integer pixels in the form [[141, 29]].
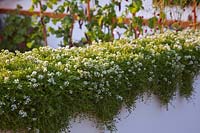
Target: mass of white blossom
[[98, 71]]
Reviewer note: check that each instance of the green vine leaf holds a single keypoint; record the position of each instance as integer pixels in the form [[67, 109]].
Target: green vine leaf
[[30, 44], [152, 22]]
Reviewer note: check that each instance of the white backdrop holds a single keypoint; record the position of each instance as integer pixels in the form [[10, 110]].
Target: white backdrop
[[149, 117]]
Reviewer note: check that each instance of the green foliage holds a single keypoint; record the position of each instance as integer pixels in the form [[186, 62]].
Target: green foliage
[[18, 33], [135, 6], [45, 88], [65, 31], [101, 23], [152, 22]]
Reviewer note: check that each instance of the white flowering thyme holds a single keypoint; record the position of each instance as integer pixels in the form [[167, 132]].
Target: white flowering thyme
[[50, 86]]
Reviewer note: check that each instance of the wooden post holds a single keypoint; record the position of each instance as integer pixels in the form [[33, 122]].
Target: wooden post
[[133, 28], [43, 24], [160, 17], [88, 10], [71, 34], [195, 14]]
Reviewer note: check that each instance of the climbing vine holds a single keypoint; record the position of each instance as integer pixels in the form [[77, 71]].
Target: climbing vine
[[19, 33], [98, 22]]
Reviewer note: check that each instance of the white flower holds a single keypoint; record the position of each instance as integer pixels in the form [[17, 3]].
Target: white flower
[[151, 72], [40, 77], [70, 91], [188, 57], [37, 130], [66, 83], [52, 81], [6, 79], [178, 58], [150, 79], [28, 76], [34, 73], [119, 75], [119, 97], [85, 82], [44, 69], [16, 81], [67, 70], [22, 113], [45, 63], [96, 74], [27, 99], [179, 47], [35, 85], [2, 104], [59, 64], [107, 83], [33, 80], [104, 72], [19, 86], [191, 63], [58, 74], [140, 64], [34, 119], [58, 57], [51, 74], [167, 47], [13, 107], [7, 61], [153, 61], [169, 82], [128, 63]]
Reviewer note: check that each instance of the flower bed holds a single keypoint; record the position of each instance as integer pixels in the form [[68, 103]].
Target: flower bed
[[45, 88]]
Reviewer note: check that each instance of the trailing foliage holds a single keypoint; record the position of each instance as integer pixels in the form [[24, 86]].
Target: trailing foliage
[[45, 88]]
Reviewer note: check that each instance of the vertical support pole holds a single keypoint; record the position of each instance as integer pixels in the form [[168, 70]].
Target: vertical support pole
[[71, 34], [44, 30], [161, 17], [88, 19], [88, 10], [195, 14]]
